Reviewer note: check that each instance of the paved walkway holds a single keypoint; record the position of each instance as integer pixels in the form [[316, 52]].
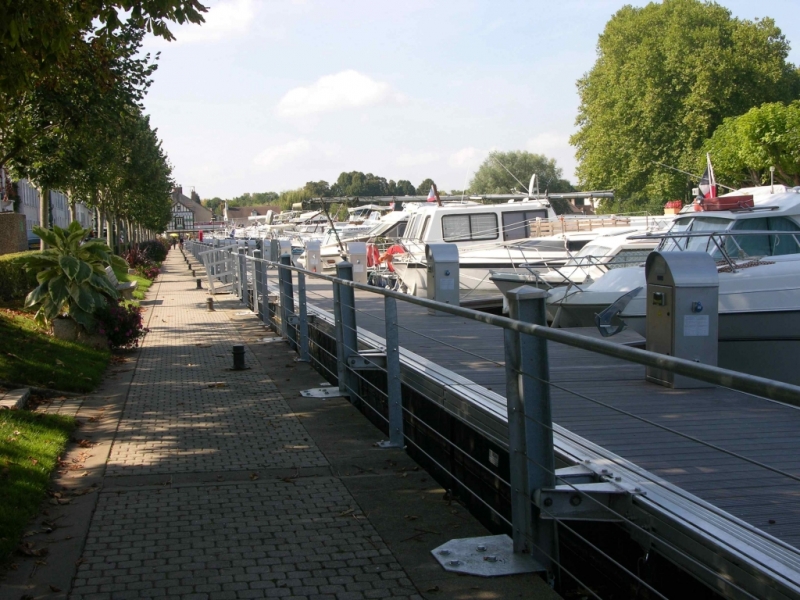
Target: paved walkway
[[214, 484]]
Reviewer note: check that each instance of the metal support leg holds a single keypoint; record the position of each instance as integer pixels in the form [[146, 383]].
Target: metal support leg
[[347, 311], [530, 433], [303, 323], [287, 301], [393, 388], [257, 287], [242, 276]]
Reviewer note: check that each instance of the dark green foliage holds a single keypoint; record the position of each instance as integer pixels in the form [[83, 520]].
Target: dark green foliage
[[15, 281], [666, 76], [503, 172], [154, 250]]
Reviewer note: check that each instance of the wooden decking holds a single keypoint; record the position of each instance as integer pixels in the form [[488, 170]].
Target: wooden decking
[[758, 429]]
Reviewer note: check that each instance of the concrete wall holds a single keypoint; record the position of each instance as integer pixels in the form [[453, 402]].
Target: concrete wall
[[13, 234]]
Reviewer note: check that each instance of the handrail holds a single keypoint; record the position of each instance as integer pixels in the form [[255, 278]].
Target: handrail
[[751, 384]]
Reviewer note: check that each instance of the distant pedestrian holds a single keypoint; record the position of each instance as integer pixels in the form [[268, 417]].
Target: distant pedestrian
[[200, 235], [180, 241], [174, 242]]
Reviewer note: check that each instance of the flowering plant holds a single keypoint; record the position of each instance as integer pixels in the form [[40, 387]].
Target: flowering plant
[[121, 324], [148, 271]]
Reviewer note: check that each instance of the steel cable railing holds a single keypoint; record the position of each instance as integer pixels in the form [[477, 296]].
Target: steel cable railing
[[780, 392]]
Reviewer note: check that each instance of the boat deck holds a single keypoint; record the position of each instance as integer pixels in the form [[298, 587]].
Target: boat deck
[[591, 395]]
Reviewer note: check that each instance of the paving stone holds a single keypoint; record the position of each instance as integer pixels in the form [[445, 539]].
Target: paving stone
[[256, 538]]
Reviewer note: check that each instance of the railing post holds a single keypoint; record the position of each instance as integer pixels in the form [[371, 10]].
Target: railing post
[[257, 283], [393, 388], [346, 330], [303, 324], [242, 276], [530, 427], [287, 301]]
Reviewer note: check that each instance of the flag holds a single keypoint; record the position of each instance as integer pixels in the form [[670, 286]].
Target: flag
[[431, 195], [708, 185]]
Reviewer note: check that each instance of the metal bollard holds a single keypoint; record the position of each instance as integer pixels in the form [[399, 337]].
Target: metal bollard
[[238, 358], [210, 304], [347, 337], [393, 386], [199, 286]]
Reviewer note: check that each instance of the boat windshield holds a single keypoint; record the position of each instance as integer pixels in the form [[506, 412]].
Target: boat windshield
[[736, 246], [588, 254]]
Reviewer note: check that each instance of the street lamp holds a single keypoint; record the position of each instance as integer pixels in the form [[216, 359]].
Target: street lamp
[[772, 180]]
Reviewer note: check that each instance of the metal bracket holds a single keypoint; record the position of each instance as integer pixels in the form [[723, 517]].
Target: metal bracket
[[489, 556], [323, 392], [293, 320], [367, 361], [586, 496]]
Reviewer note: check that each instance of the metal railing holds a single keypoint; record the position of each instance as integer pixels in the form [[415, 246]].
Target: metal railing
[[541, 497]]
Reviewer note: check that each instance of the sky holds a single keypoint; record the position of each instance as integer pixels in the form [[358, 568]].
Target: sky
[[270, 94]]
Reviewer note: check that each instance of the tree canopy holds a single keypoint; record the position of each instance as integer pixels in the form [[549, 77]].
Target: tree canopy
[[744, 148], [503, 172], [666, 76]]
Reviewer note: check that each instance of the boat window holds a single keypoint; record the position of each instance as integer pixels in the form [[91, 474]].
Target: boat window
[[412, 227], [424, 229], [456, 228], [763, 245], [575, 245], [630, 257], [695, 225], [517, 224]]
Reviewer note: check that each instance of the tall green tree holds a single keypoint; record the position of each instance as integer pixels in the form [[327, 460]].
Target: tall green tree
[[503, 172], [424, 187], [666, 76], [744, 148]]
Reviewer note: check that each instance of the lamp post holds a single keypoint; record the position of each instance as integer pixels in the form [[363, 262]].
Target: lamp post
[[772, 180]]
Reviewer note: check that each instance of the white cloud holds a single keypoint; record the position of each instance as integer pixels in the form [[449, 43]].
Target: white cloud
[[464, 157], [277, 156], [420, 158], [223, 20], [348, 89]]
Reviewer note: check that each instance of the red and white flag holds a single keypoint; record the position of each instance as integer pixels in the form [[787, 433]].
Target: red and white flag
[[431, 195], [708, 185]]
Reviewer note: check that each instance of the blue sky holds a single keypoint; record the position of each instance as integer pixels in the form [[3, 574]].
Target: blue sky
[[269, 94]]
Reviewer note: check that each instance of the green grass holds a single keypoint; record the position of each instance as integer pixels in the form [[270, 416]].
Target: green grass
[[144, 283], [30, 444], [31, 357]]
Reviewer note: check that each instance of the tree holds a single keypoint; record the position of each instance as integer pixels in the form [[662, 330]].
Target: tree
[[425, 187], [503, 172], [666, 76], [319, 189], [36, 36], [744, 148], [404, 188]]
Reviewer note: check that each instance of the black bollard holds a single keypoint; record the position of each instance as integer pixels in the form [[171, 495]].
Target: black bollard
[[193, 273], [199, 287], [210, 304], [238, 358]]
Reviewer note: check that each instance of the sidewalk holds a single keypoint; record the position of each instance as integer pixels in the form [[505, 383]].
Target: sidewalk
[[222, 484]]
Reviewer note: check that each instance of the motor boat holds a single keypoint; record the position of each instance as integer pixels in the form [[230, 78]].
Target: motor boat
[[757, 250], [606, 251]]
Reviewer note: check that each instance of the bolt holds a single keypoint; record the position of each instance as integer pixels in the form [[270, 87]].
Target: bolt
[[445, 552], [490, 558], [210, 304], [575, 500], [481, 548], [454, 563], [548, 502]]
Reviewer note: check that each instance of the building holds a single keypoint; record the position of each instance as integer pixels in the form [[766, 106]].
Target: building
[[59, 207], [239, 215], [187, 212]]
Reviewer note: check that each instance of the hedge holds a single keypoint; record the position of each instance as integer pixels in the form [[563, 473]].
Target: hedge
[[15, 282]]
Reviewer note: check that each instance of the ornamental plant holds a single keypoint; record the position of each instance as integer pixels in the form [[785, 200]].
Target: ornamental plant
[[121, 324], [71, 275]]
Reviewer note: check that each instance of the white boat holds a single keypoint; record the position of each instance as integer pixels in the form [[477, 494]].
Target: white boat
[[601, 254], [758, 257]]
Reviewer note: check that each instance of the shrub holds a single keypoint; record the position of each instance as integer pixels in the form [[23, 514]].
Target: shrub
[[149, 272], [121, 324], [71, 275], [15, 281], [154, 250], [135, 257]]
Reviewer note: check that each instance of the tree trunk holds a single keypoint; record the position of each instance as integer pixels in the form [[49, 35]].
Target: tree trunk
[[44, 213], [72, 208], [109, 231]]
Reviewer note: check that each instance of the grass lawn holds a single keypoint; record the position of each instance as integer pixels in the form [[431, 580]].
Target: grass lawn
[[30, 444], [30, 356], [144, 283]]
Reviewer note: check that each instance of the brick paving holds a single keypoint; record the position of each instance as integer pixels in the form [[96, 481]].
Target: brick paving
[[259, 536]]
